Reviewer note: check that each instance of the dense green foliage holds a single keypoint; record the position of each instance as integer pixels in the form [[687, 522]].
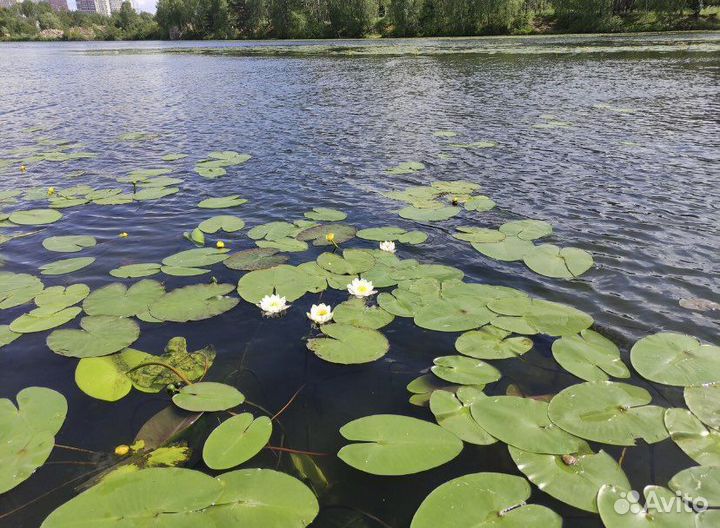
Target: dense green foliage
[[246, 19], [30, 21]]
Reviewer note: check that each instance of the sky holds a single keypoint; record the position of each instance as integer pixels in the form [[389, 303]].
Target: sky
[[140, 5]]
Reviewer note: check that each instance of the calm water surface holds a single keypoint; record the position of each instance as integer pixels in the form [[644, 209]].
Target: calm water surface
[[637, 189]]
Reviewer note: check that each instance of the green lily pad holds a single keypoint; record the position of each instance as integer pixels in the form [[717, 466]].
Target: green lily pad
[[155, 193], [101, 335], [349, 345], [619, 508], [160, 181], [509, 249], [697, 441], [608, 412], [572, 479], [704, 402], [161, 496], [589, 356], [179, 271], [118, 300], [208, 396], [173, 157], [105, 378], [492, 343], [464, 370], [392, 233], [255, 259], [229, 157], [475, 145], [287, 281], [18, 288], [445, 133], [283, 244], [676, 359], [453, 315], [397, 445], [35, 217], [42, 319], [155, 373], [194, 303], [69, 244], [428, 215], [196, 236], [64, 266], [318, 234], [480, 235], [132, 271], [523, 423], [227, 223], [7, 336], [196, 258], [27, 433], [59, 297], [407, 167], [558, 263], [530, 316], [424, 386], [483, 500], [527, 229], [223, 202], [323, 214], [479, 203], [274, 231], [236, 440], [210, 172], [352, 262], [452, 412], [355, 312], [699, 482]]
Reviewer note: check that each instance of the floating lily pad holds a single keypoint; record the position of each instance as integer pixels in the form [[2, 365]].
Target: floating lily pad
[[229, 157], [527, 229], [348, 345], [589, 356], [227, 223], [323, 214], [208, 396], [120, 301], [318, 234], [697, 441], [704, 402], [236, 440], [68, 244], [7, 336], [559, 263], [475, 145], [196, 236], [174, 157], [18, 288], [424, 386], [700, 482], [101, 335], [608, 412], [529, 316], [407, 167], [155, 193], [355, 312], [42, 319], [492, 343], [572, 479], [160, 496], [453, 315], [397, 445], [105, 378], [274, 231], [131, 271], [64, 266], [59, 297], [35, 217], [196, 258], [452, 412], [523, 423], [619, 508], [180, 271], [224, 202], [445, 133], [194, 303], [464, 370], [479, 203], [283, 244], [676, 359], [430, 214], [255, 259], [287, 281], [352, 262], [210, 172], [483, 500], [27, 433], [509, 249]]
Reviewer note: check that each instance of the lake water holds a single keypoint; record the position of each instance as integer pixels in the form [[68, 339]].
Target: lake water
[[634, 180]]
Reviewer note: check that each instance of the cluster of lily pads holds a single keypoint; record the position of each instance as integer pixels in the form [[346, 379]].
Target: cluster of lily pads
[[552, 441]]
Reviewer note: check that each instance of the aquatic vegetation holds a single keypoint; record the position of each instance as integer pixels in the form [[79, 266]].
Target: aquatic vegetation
[[273, 304], [407, 167], [65, 266], [236, 440], [348, 345], [320, 313], [69, 244]]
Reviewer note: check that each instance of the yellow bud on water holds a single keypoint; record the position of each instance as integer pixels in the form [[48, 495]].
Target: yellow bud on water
[[122, 450], [51, 191], [330, 237], [220, 244], [123, 235]]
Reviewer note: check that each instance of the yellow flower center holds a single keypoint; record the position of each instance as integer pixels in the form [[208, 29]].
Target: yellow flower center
[[322, 312], [330, 237]]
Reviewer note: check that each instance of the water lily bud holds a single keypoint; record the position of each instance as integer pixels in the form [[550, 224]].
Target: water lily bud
[[122, 450], [330, 237], [220, 244], [51, 191], [123, 235], [23, 168]]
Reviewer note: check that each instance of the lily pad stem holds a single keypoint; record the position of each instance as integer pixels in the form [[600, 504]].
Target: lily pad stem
[[295, 451], [78, 449], [175, 371], [285, 407]]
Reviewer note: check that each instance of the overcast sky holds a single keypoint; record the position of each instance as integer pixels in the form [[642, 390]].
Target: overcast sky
[[141, 5]]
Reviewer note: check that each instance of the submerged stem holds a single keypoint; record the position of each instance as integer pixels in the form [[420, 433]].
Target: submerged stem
[[285, 407], [78, 449], [175, 371], [295, 451]]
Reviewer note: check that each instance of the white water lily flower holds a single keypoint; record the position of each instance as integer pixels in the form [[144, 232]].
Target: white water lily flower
[[361, 288], [388, 246], [320, 313], [273, 304]]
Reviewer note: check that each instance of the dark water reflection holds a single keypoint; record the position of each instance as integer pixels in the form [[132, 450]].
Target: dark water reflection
[[638, 190]]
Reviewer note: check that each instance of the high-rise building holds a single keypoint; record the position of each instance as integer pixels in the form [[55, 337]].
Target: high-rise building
[[115, 5], [101, 7], [59, 5], [7, 3]]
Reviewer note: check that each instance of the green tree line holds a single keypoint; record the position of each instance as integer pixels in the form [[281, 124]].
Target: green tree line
[[260, 19]]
